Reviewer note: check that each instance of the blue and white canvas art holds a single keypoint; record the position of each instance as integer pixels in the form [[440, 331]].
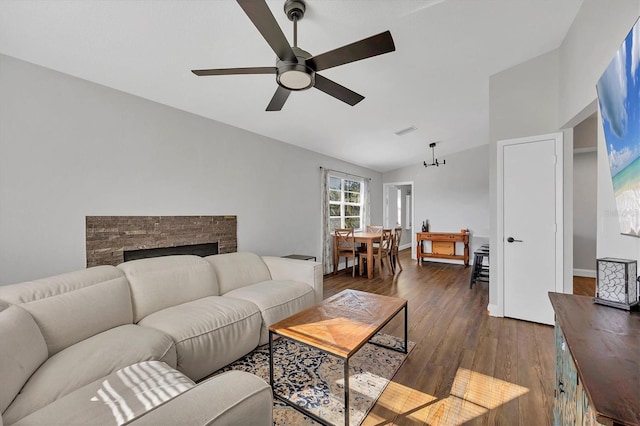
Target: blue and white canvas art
[[619, 99]]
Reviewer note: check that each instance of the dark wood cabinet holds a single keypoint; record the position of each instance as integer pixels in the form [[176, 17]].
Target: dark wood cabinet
[[597, 363]]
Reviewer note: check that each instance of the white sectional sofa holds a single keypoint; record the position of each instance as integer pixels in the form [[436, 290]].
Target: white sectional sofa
[[129, 344]]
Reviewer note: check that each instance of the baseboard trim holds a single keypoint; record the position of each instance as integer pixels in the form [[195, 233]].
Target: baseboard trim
[[494, 310], [589, 273]]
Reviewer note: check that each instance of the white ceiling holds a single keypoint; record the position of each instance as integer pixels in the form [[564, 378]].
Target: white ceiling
[[437, 79]]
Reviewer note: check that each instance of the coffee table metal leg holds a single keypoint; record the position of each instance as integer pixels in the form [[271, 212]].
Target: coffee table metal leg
[[271, 360], [346, 392], [406, 332]]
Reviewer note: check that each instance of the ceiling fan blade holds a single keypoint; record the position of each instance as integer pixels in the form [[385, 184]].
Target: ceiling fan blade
[[230, 71], [366, 48], [278, 100], [337, 91], [262, 18]]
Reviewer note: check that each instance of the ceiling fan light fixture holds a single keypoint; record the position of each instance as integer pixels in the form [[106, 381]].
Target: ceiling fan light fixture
[[295, 76], [295, 68]]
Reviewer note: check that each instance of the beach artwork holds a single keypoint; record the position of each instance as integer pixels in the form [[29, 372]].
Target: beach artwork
[[619, 99]]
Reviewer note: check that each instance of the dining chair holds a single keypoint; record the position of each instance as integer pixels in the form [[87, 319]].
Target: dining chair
[[362, 249], [371, 228], [345, 246], [394, 255], [383, 252]]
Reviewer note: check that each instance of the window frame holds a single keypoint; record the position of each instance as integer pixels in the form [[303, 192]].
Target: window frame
[[343, 203]]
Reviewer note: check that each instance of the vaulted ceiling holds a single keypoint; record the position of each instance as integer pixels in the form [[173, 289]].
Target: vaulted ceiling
[[437, 80]]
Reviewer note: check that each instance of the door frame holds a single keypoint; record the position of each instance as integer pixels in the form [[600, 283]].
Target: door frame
[[385, 210], [498, 310]]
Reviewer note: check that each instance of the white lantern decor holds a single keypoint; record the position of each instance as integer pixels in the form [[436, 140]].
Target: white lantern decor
[[617, 283]]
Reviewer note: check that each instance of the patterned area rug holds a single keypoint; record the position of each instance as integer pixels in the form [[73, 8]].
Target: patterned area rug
[[315, 380]]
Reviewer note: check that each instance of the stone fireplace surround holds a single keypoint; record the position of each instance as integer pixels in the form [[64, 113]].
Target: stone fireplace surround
[[107, 237]]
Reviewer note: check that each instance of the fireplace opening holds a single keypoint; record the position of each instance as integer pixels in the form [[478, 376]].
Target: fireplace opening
[[202, 250]]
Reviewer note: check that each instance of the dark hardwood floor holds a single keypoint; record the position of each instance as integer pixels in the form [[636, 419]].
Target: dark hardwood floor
[[584, 286], [467, 367]]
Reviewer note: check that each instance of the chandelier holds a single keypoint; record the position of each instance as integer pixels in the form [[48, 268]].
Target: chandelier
[[434, 160]]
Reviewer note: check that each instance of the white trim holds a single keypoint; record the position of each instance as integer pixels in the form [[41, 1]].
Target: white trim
[[589, 273], [343, 203], [494, 310], [385, 212], [449, 261], [585, 150], [498, 309]]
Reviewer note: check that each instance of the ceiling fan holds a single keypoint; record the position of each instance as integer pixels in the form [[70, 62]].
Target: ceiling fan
[[295, 68]]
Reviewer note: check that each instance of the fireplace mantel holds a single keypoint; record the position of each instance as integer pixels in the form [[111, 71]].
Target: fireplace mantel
[[107, 237]]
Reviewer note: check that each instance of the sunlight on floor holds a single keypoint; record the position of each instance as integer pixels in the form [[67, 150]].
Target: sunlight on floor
[[472, 394], [484, 390]]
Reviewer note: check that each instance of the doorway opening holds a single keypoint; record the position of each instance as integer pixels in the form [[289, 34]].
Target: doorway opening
[[585, 184], [399, 211]]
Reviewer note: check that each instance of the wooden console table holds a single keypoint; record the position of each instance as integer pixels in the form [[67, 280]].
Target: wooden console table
[[443, 245]]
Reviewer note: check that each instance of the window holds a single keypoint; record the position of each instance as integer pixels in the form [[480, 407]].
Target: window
[[345, 203]]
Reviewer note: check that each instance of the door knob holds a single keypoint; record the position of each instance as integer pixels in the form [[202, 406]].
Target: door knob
[[513, 240]]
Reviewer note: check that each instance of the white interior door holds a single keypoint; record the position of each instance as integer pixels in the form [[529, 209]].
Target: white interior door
[[531, 235]]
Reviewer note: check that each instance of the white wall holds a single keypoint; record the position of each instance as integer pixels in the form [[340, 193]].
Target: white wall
[[589, 46], [597, 31], [557, 91], [70, 148], [452, 197]]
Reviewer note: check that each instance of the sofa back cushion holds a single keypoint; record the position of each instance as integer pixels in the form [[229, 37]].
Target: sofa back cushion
[[22, 351], [235, 270], [160, 282], [70, 307]]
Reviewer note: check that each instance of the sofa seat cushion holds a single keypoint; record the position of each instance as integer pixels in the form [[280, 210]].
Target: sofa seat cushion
[[209, 333], [233, 398], [276, 299], [88, 360], [116, 399]]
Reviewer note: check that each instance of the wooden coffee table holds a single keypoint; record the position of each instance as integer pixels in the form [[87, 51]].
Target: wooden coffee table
[[339, 326]]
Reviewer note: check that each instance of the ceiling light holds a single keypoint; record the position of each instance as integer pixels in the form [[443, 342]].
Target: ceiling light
[[295, 76], [434, 160]]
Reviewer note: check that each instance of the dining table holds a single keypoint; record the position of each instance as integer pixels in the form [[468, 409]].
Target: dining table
[[368, 238]]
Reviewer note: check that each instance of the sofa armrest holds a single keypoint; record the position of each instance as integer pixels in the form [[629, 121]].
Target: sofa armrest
[[297, 270], [231, 398]]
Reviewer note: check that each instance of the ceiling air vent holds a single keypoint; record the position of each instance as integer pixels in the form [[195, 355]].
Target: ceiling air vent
[[406, 131]]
